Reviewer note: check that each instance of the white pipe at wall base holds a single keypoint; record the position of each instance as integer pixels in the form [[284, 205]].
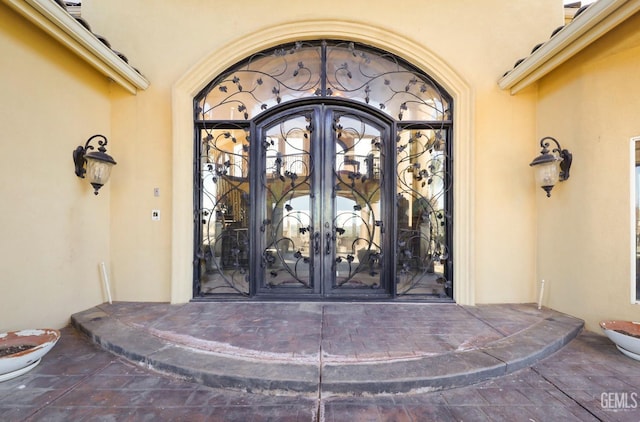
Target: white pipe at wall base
[[541, 294], [105, 280]]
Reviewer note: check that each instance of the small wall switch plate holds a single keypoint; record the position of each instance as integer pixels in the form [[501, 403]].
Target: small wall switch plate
[[156, 191], [155, 215]]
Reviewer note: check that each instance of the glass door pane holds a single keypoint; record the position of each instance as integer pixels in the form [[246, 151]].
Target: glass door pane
[[636, 295], [288, 185], [356, 197], [422, 187], [224, 247]]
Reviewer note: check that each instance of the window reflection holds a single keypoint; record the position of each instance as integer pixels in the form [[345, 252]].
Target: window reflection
[[225, 192], [637, 211], [422, 216]]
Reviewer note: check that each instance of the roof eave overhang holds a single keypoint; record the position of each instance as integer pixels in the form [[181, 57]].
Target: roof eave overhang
[[63, 27], [598, 19]]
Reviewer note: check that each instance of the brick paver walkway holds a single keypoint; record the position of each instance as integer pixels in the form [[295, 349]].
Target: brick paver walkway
[[589, 379]]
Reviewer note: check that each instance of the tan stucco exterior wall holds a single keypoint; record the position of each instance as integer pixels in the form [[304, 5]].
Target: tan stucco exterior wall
[[591, 105], [165, 40], [54, 232]]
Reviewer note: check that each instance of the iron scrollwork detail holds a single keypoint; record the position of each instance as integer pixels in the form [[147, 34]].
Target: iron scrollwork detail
[[296, 71], [289, 243], [358, 176], [423, 220], [287, 184], [224, 189]]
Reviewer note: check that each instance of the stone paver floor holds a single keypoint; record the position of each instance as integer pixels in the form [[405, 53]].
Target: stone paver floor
[[587, 380]]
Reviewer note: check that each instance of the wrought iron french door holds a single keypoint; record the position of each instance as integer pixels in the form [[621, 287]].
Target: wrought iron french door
[[322, 204], [323, 169]]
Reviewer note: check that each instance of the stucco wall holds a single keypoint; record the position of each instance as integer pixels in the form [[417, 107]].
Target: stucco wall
[[54, 231], [591, 106], [479, 40]]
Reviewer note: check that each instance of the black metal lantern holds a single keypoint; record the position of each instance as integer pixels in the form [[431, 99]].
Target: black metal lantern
[[95, 164], [551, 166]]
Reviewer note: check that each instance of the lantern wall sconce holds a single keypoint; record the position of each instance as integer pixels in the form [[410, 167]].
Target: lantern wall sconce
[[551, 166], [95, 164]]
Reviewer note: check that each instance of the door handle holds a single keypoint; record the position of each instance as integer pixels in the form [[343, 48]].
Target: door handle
[[328, 244], [316, 243]]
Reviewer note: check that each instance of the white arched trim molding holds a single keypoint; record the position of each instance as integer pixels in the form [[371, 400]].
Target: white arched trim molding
[[187, 87]]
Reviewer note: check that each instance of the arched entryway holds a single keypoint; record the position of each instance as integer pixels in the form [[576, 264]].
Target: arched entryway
[[202, 73], [323, 169]]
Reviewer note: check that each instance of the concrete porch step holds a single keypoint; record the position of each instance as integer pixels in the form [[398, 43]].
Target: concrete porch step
[[329, 348]]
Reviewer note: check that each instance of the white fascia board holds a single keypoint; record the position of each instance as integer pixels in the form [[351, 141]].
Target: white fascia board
[[51, 18], [598, 19]]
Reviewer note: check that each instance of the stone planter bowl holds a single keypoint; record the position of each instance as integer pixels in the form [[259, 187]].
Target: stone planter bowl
[[625, 335], [22, 361]]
